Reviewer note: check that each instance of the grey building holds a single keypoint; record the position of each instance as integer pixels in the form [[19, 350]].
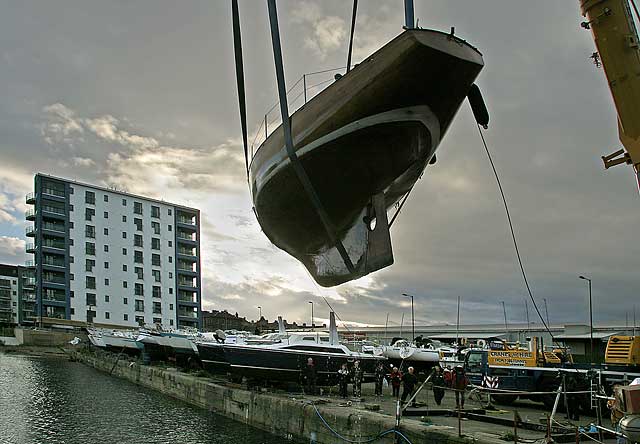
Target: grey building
[[107, 257], [17, 294]]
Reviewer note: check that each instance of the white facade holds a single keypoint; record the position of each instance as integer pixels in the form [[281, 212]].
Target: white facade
[[114, 269], [9, 293]]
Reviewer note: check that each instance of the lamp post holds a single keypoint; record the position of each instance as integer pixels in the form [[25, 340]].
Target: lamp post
[[311, 302], [259, 313], [590, 317], [413, 324]]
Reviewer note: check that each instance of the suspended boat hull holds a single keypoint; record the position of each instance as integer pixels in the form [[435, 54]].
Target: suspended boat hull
[[364, 141]]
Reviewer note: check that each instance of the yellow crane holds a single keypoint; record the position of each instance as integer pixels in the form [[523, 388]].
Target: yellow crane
[[616, 38]]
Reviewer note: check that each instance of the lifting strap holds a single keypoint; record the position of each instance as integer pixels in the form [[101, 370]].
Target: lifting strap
[[286, 126], [353, 28], [237, 47]]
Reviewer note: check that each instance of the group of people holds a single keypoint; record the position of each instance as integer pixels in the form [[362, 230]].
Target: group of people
[[441, 379]]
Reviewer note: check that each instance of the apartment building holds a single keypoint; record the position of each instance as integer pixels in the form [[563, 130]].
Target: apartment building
[[17, 294], [107, 257]]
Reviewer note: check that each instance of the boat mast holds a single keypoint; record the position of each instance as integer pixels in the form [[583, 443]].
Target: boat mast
[[458, 324], [409, 22]]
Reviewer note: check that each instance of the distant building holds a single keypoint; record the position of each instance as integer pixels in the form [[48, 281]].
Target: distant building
[[223, 320], [107, 257], [17, 294]]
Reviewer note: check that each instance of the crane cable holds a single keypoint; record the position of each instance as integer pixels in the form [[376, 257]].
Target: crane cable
[[513, 235], [237, 49]]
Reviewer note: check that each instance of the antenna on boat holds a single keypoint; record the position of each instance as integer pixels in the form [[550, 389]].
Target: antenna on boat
[[409, 22], [333, 329]]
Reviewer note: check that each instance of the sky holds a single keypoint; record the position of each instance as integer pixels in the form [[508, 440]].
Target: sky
[[142, 95]]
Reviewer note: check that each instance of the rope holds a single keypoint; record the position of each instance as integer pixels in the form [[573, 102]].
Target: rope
[[237, 47], [353, 441], [513, 235], [353, 28]]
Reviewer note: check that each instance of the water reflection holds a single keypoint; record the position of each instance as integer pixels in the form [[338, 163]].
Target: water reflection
[[44, 400]]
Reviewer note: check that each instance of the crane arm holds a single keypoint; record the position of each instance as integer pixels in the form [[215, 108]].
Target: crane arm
[[616, 39]]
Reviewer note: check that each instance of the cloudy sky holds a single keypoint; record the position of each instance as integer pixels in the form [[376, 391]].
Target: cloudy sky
[[142, 95]]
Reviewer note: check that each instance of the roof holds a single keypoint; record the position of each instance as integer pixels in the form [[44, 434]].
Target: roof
[[596, 335], [484, 335], [121, 192]]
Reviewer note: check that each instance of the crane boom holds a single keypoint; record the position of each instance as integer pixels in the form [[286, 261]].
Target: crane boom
[[616, 39]]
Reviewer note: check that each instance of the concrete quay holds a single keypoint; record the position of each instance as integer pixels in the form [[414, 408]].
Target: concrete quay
[[291, 417]]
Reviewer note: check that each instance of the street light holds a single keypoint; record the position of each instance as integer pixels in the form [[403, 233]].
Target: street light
[[590, 317], [311, 302], [413, 324], [259, 313]]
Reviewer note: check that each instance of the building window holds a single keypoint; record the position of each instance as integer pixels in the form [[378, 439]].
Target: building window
[[124, 218], [155, 259], [90, 231], [70, 207], [90, 248], [124, 234], [105, 231], [137, 207], [71, 242], [91, 299], [90, 197], [124, 267], [106, 315], [89, 264], [106, 298], [170, 321], [170, 290], [106, 198], [106, 265], [126, 317], [124, 202], [139, 290], [125, 301], [140, 320], [137, 240], [71, 259], [169, 211], [138, 223], [170, 259], [157, 292], [71, 276], [157, 308], [106, 248], [170, 275], [157, 320], [105, 215], [156, 275], [124, 251], [89, 213], [169, 227], [90, 282], [70, 190], [155, 243], [137, 257], [156, 227], [106, 282], [73, 311], [155, 211], [71, 294], [124, 284], [139, 272], [170, 244], [139, 305], [170, 306]]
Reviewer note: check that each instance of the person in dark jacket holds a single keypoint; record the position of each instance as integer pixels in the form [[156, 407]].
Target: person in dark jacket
[[343, 380], [357, 376], [573, 400], [437, 381], [309, 377], [409, 381], [395, 377], [380, 374]]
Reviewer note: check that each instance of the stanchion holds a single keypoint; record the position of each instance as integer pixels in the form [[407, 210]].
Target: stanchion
[[515, 427], [577, 436], [548, 439], [459, 422]]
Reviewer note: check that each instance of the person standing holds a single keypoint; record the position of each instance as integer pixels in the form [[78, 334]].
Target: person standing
[[459, 382], [343, 380], [379, 377], [437, 381], [396, 378], [409, 381], [357, 379], [309, 377]]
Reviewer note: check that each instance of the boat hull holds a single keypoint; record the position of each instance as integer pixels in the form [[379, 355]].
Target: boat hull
[[212, 357], [285, 365], [371, 133]]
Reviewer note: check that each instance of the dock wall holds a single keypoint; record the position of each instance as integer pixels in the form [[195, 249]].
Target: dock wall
[[281, 415]]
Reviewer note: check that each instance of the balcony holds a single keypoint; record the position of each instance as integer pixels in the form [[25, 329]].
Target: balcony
[[186, 267], [30, 214], [30, 263], [185, 237], [50, 262], [188, 283], [185, 220], [30, 248], [187, 253], [188, 314], [30, 198], [53, 211], [30, 231], [58, 228], [29, 281], [53, 192]]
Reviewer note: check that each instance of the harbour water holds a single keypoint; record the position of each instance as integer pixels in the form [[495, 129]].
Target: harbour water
[[52, 400]]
